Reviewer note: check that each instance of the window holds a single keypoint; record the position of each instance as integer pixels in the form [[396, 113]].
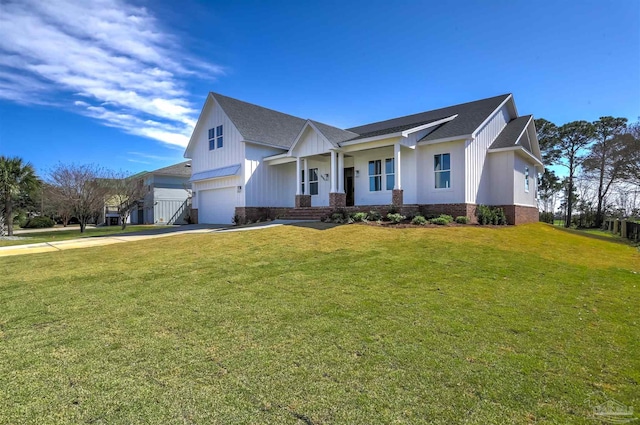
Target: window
[[389, 170], [212, 139], [313, 181], [526, 179], [302, 180], [442, 169], [375, 175], [219, 140]]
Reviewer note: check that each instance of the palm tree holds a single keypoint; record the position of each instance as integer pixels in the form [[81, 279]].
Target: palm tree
[[15, 177]]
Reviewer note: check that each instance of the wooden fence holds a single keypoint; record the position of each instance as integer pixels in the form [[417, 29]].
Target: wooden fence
[[624, 228]]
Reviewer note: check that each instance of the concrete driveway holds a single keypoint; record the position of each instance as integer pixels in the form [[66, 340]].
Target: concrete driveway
[[159, 232]]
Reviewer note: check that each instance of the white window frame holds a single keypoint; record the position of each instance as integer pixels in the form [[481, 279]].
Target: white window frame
[[313, 181], [219, 137], [391, 174], [526, 179], [436, 172], [377, 176], [212, 138]]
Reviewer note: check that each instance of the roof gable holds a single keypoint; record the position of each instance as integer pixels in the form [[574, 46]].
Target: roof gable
[[258, 124]]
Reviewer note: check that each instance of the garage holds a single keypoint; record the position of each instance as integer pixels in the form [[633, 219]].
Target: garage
[[217, 206]]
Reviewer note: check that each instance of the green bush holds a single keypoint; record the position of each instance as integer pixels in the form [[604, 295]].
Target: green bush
[[420, 220], [39, 223], [395, 218], [20, 220], [462, 219], [446, 217], [441, 221], [338, 218], [374, 216], [359, 216], [546, 217], [490, 215]]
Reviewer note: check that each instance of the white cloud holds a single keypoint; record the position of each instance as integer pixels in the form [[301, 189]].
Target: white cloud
[[113, 55]]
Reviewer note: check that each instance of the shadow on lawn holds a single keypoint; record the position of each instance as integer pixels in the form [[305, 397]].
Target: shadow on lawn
[[614, 239]]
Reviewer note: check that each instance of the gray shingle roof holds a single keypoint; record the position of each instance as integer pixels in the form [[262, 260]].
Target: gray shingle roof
[[259, 124], [182, 169], [470, 116], [334, 135], [509, 135]]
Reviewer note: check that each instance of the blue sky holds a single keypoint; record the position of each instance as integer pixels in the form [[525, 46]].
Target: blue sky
[[121, 83]]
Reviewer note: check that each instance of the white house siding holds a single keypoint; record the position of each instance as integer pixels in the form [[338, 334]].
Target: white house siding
[[425, 176], [267, 185], [311, 143], [361, 182], [520, 196], [499, 166], [232, 152], [478, 190]]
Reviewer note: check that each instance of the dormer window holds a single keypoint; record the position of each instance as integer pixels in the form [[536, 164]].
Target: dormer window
[[215, 138]]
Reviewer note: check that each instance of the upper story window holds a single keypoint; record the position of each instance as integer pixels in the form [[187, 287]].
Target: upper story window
[[442, 170], [215, 138], [526, 179], [212, 139], [219, 137]]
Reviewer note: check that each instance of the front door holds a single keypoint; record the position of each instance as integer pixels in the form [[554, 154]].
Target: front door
[[348, 186]]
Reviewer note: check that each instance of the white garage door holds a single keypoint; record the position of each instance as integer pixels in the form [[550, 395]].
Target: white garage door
[[216, 206]]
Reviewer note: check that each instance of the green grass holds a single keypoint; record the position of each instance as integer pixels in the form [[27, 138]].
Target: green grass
[[352, 325], [74, 233]]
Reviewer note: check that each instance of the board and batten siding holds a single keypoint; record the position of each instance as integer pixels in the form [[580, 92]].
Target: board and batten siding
[[231, 153], [520, 195], [500, 166], [426, 186], [478, 189], [267, 185], [311, 143]]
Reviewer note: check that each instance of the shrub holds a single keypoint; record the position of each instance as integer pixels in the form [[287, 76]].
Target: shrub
[[446, 217], [395, 218], [546, 217], [462, 219], [359, 216], [419, 220], [21, 219], [441, 221], [337, 218], [374, 216], [393, 209], [39, 223], [490, 215]]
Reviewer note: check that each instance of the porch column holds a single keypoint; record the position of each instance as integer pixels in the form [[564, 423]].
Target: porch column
[[340, 172], [334, 171], [397, 195], [398, 181], [298, 179], [306, 177]]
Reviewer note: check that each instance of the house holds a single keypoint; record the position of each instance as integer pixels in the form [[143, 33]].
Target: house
[[251, 162], [167, 198]]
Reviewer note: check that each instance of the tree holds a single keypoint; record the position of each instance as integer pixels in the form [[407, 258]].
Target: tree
[[573, 141], [606, 158], [631, 167], [125, 191], [547, 133], [17, 180], [550, 185], [80, 187]]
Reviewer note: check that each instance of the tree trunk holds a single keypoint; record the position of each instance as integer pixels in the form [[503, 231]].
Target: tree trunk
[[123, 222], [83, 224], [567, 222], [8, 215], [601, 190]]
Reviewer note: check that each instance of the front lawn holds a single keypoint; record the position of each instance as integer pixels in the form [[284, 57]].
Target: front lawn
[[351, 325]]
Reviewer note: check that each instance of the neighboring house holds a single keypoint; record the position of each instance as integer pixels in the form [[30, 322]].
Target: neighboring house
[[168, 196], [251, 162]]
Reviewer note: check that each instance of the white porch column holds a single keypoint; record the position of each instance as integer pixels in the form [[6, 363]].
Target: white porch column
[[334, 171], [298, 180], [340, 172], [398, 169], [306, 177]]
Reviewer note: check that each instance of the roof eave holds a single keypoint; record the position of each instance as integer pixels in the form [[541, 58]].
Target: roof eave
[[518, 149], [371, 139], [504, 102], [425, 126], [446, 139]]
